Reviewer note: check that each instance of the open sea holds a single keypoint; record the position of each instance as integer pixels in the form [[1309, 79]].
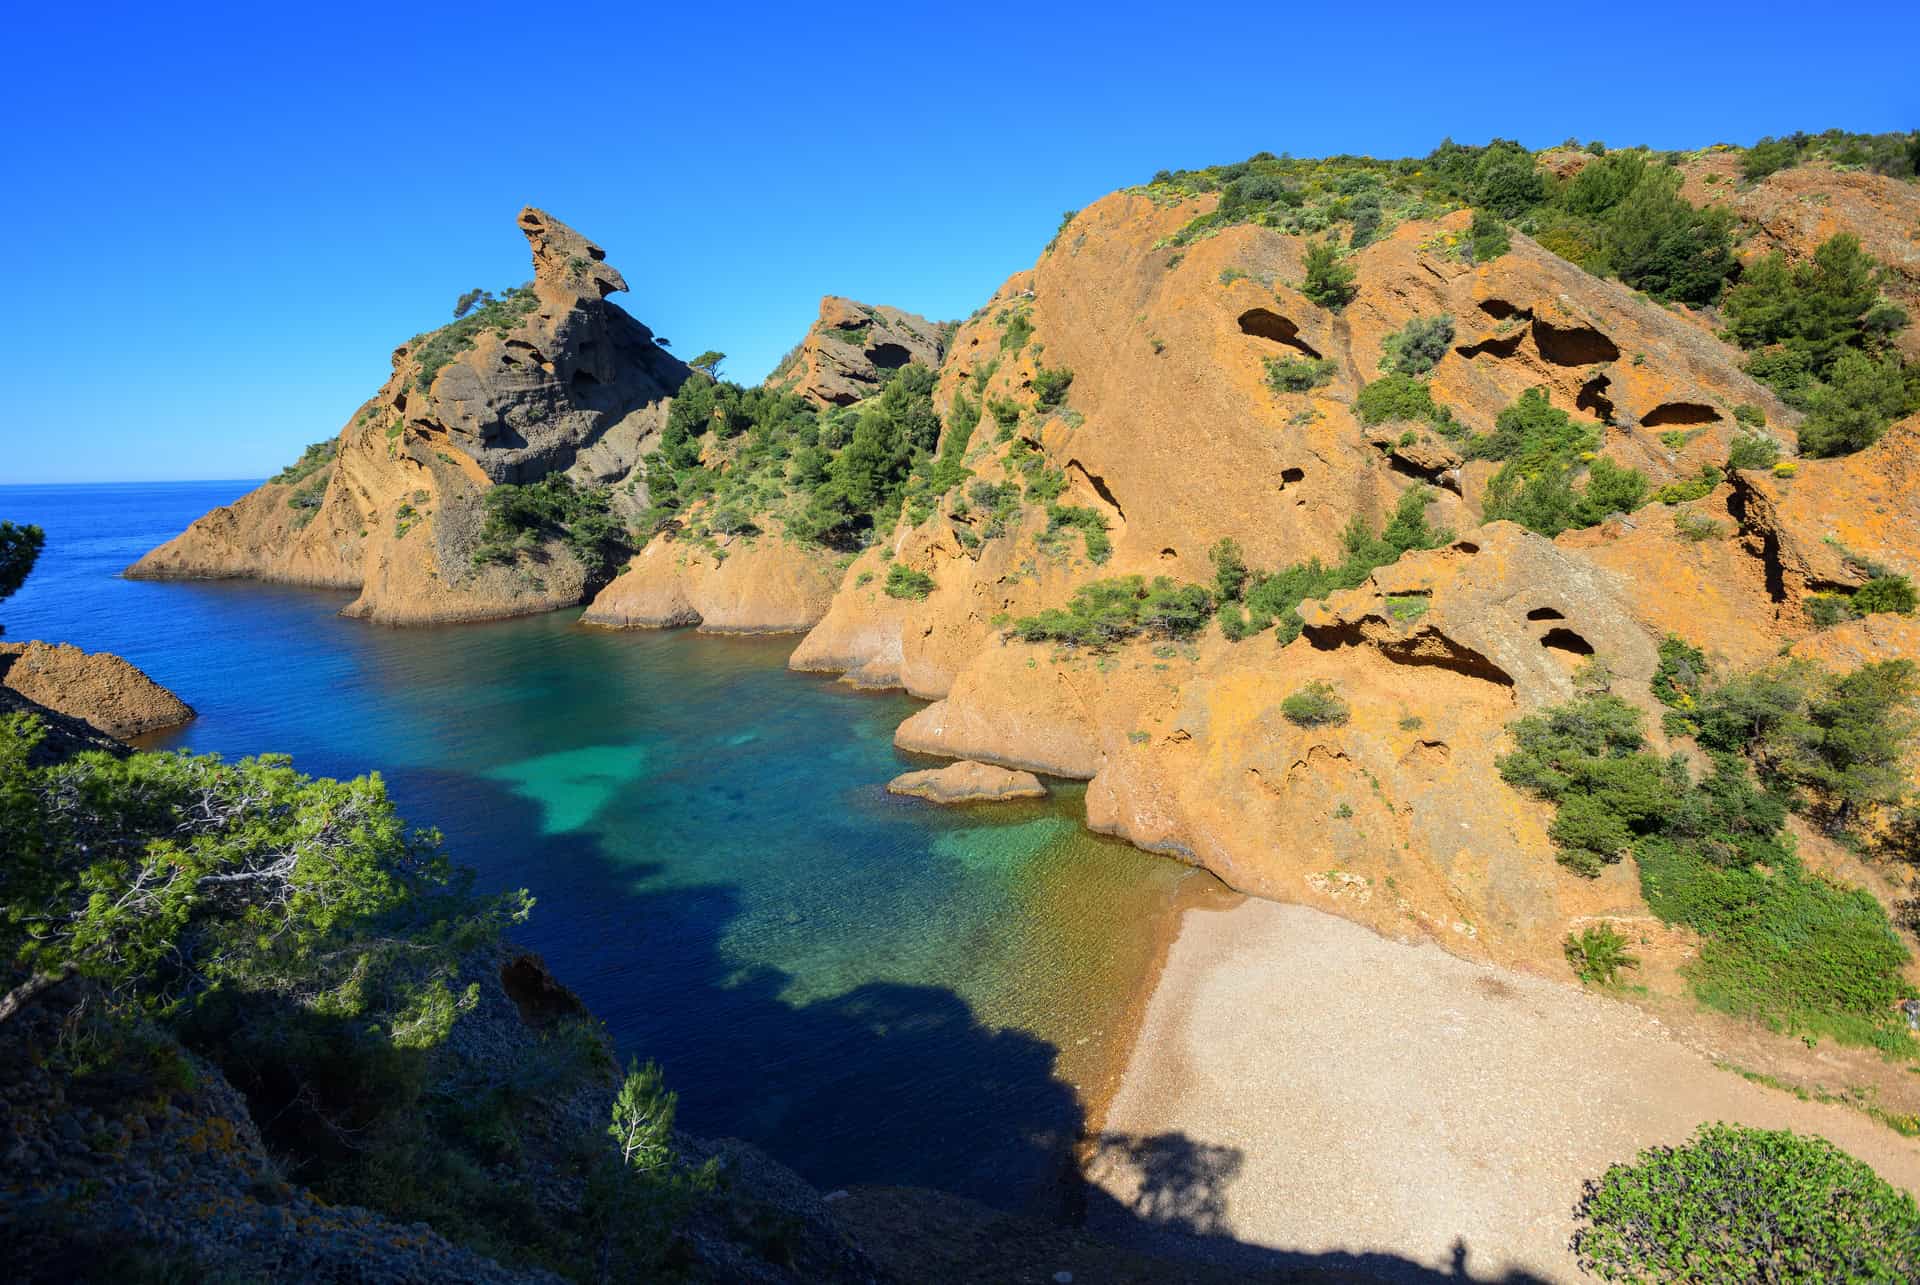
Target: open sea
[[873, 989]]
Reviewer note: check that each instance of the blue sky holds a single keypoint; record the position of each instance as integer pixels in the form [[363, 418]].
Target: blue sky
[[221, 221]]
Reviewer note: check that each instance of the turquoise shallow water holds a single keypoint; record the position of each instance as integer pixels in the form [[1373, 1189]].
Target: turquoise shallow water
[[874, 989]]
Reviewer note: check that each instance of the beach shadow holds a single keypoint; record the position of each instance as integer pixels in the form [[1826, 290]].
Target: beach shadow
[[1179, 1207], [886, 1084]]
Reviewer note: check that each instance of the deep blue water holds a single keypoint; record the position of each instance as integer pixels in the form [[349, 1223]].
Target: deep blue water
[[874, 989]]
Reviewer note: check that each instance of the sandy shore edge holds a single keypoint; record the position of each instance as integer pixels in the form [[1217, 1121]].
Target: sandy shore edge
[[1300, 1083]]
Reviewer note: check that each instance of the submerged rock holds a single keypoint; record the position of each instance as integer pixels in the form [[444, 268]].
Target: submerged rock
[[968, 782]]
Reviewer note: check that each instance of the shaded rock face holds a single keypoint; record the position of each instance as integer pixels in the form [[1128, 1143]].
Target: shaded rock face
[[565, 382], [97, 688], [968, 782], [852, 349]]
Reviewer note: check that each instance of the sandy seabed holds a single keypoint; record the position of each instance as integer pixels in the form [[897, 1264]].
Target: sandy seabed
[[1303, 1085]]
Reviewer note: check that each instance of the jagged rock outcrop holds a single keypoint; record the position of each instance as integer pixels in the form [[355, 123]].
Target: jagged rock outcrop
[[968, 782], [97, 688], [739, 584], [550, 378], [853, 348]]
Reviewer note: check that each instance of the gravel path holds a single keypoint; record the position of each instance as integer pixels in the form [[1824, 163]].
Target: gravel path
[[1303, 1084]]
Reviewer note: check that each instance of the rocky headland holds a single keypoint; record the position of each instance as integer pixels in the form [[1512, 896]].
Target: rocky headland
[[98, 689]]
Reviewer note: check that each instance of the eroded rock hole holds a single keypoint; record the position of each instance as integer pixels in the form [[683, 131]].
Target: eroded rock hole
[[1467, 547], [1593, 399], [583, 379], [1679, 413], [888, 356], [1566, 640], [1495, 346], [1544, 613], [1573, 345], [1265, 324], [1289, 476], [1500, 309]]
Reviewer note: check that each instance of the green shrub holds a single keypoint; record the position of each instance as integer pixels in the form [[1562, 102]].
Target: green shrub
[[316, 457], [1854, 408], [1408, 607], [1739, 1205], [1778, 943], [905, 582], [1681, 674], [1329, 281], [1019, 330], [1598, 954], [1750, 452], [1542, 446], [1315, 705], [1106, 612], [1506, 180], [1749, 415], [1299, 374], [1825, 610], [1815, 309], [1396, 397], [1050, 386], [1418, 346], [1093, 528], [519, 518], [1230, 571], [1889, 593], [1693, 488], [1487, 237], [1838, 737]]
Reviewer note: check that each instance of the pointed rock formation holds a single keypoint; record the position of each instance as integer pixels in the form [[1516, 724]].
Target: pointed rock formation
[[852, 349], [549, 378]]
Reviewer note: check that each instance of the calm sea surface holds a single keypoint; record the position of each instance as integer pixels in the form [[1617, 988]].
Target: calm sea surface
[[874, 989]]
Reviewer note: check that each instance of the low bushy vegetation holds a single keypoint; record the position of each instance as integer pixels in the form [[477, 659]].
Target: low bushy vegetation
[[521, 518], [1418, 346], [1107, 612], [1597, 954], [1778, 942], [906, 582], [20, 547], [1300, 374], [1543, 448], [1401, 398], [316, 457], [1896, 155], [1251, 602], [1746, 1206], [835, 477], [294, 934], [1315, 705]]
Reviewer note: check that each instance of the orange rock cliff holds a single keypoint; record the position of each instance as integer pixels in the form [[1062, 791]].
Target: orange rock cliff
[[1174, 436]]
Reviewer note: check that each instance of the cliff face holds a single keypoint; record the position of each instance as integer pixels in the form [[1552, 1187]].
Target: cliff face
[[852, 348], [1171, 433], [549, 379]]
